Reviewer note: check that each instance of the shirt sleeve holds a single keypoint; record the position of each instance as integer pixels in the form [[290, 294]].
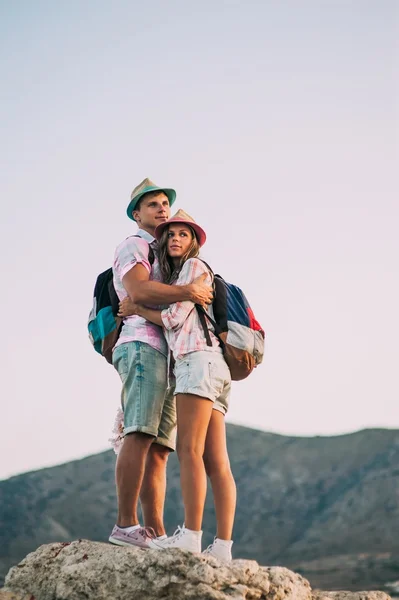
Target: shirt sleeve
[[174, 316], [131, 252]]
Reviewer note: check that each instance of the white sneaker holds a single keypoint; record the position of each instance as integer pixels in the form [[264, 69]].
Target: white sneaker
[[220, 549], [183, 538]]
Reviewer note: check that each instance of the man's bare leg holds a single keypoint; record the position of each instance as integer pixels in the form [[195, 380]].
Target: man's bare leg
[[153, 488], [130, 468]]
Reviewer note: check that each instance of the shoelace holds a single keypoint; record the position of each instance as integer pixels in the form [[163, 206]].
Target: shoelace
[[177, 535], [147, 532], [209, 549]]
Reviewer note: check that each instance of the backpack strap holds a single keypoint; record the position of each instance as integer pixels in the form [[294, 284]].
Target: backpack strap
[[211, 272], [206, 264], [151, 255], [203, 315]]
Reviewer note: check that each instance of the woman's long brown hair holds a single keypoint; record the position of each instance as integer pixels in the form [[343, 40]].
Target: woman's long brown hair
[[168, 270]]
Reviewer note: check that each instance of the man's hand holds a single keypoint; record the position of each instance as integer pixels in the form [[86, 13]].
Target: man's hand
[[200, 292], [127, 308]]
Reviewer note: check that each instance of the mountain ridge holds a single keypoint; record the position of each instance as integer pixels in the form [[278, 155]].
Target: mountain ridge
[[229, 424], [303, 502]]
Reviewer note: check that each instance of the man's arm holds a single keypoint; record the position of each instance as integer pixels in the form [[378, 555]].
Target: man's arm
[[175, 315], [143, 291]]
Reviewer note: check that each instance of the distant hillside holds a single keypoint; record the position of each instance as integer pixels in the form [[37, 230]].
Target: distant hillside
[[325, 506]]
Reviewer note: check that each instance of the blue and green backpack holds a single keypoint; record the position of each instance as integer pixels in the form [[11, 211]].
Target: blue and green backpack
[[104, 325]]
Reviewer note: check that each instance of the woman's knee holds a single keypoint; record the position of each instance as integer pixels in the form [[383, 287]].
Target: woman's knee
[[216, 466], [189, 450]]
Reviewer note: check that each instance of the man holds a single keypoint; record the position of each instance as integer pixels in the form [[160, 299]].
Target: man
[[140, 357]]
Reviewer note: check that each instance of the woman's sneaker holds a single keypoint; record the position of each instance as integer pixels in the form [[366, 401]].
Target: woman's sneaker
[[183, 538], [220, 549]]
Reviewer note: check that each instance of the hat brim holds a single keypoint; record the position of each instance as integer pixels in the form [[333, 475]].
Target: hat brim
[[199, 232], [171, 194]]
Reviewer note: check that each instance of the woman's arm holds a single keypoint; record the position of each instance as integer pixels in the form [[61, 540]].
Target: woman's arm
[[171, 318], [127, 308], [150, 314], [174, 316]]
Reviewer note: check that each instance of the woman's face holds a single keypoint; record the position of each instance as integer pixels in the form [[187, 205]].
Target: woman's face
[[179, 240]]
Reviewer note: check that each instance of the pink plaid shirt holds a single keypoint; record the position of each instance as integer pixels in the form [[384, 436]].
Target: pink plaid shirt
[[183, 330], [129, 253]]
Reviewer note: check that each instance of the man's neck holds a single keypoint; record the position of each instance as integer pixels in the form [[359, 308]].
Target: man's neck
[[149, 230]]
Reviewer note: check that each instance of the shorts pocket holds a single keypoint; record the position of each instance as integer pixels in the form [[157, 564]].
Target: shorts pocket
[[182, 373], [216, 378], [120, 360]]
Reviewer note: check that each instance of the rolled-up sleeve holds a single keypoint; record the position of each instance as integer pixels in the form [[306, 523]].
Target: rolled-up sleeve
[[174, 316], [129, 253]]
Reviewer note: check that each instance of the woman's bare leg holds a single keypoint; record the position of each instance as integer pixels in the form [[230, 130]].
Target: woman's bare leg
[[218, 469], [193, 416]]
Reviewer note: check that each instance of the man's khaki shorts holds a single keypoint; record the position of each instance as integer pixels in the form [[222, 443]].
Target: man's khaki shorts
[[148, 406]]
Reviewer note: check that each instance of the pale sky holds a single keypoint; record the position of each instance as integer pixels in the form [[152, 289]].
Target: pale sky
[[277, 124]]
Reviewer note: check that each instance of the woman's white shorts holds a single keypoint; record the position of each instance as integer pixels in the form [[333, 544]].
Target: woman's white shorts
[[206, 374]]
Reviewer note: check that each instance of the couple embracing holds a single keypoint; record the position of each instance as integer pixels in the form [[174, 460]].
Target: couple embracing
[[173, 377]]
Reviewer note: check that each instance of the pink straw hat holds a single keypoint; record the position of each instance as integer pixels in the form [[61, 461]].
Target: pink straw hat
[[182, 217]]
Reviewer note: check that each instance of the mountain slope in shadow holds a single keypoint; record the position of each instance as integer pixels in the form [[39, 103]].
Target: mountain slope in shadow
[[325, 506]]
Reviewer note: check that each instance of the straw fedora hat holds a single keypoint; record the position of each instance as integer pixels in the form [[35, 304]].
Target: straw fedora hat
[[182, 217], [143, 188]]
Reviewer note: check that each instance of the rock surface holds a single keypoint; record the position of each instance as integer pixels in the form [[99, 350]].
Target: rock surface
[[325, 507], [96, 571], [93, 570], [343, 595], [11, 596]]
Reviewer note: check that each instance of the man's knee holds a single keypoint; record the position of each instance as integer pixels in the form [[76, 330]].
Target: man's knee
[[137, 442], [158, 455]]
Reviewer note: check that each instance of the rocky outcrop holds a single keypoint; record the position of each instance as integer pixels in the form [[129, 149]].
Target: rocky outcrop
[[11, 596], [342, 595], [93, 570], [326, 507]]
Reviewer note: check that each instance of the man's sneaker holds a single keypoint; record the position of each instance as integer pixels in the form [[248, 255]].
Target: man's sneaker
[[142, 537], [183, 538], [220, 549]]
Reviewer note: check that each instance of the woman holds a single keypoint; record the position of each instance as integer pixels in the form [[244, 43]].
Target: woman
[[203, 386]]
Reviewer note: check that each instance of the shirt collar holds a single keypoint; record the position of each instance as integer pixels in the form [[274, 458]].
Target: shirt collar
[[146, 236]]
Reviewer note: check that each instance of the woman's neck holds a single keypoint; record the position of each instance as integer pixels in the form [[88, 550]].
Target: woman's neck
[[176, 262]]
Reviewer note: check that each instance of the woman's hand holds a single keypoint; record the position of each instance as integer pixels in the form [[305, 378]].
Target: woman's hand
[[127, 308]]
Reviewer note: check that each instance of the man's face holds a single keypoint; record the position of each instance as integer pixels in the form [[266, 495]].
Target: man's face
[[153, 209]]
